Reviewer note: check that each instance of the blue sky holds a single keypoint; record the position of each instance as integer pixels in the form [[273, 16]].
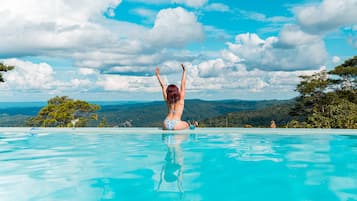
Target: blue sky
[[107, 50]]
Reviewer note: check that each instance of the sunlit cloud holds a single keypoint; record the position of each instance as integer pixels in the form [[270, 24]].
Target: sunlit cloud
[[327, 15]]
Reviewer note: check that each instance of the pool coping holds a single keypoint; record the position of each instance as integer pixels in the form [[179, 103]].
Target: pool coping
[[153, 130]]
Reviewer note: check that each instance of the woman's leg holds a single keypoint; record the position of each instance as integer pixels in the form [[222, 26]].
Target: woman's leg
[[180, 125]]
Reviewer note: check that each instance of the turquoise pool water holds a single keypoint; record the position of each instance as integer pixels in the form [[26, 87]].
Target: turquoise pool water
[[152, 165]]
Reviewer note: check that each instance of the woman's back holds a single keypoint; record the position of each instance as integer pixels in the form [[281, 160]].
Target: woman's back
[[175, 110]]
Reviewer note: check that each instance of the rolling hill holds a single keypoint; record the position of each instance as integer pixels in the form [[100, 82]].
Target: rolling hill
[[149, 114]]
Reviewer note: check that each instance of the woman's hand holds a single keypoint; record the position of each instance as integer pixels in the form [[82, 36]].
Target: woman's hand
[[183, 67], [157, 72]]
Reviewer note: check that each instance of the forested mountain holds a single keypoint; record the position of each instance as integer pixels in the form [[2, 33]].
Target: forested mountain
[[149, 113], [253, 118], [152, 113], [16, 116]]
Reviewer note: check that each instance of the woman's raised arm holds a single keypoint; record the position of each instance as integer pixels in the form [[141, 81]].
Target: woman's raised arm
[[183, 82], [163, 87]]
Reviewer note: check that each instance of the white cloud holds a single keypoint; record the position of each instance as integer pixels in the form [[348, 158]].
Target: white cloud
[[292, 36], [263, 18], [131, 70], [219, 7], [27, 75], [154, 2], [67, 29], [221, 74], [141, 63], [279, 53], [226, 73], [211, 68], [230, 57], [36, 27], [336, 59], [105, 61], [253, 84], [127, 83], [283, 79], [87, 71], [61, 11], [237, 77], [175, 28], [327, 15], [219, 34], [191, 3], [42, 78], [146, 13], [80, 83], [249, 39], [172, 66], [257, 65]]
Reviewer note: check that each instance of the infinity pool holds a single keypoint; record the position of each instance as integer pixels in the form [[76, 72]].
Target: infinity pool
[[149, 164]]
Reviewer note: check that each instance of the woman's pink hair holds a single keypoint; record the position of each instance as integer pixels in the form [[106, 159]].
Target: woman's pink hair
[[173, 94]]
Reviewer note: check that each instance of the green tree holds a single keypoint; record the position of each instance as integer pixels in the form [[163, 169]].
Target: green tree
[[312, 91], [344, 79], [345, 75], [65, 112], [328, 101], [4, 68], [341, 114]]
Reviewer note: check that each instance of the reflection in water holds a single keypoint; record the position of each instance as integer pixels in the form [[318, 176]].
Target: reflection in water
[[172, 170]]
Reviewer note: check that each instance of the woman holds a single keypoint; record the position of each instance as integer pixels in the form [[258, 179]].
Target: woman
[[175, 100]]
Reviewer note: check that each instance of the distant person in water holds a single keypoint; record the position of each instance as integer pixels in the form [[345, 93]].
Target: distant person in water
[[175, 100]]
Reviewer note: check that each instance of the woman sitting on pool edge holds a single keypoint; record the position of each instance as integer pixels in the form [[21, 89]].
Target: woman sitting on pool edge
[[175, 100]]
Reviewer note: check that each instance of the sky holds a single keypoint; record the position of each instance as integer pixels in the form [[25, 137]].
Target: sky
[[108, 50]]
